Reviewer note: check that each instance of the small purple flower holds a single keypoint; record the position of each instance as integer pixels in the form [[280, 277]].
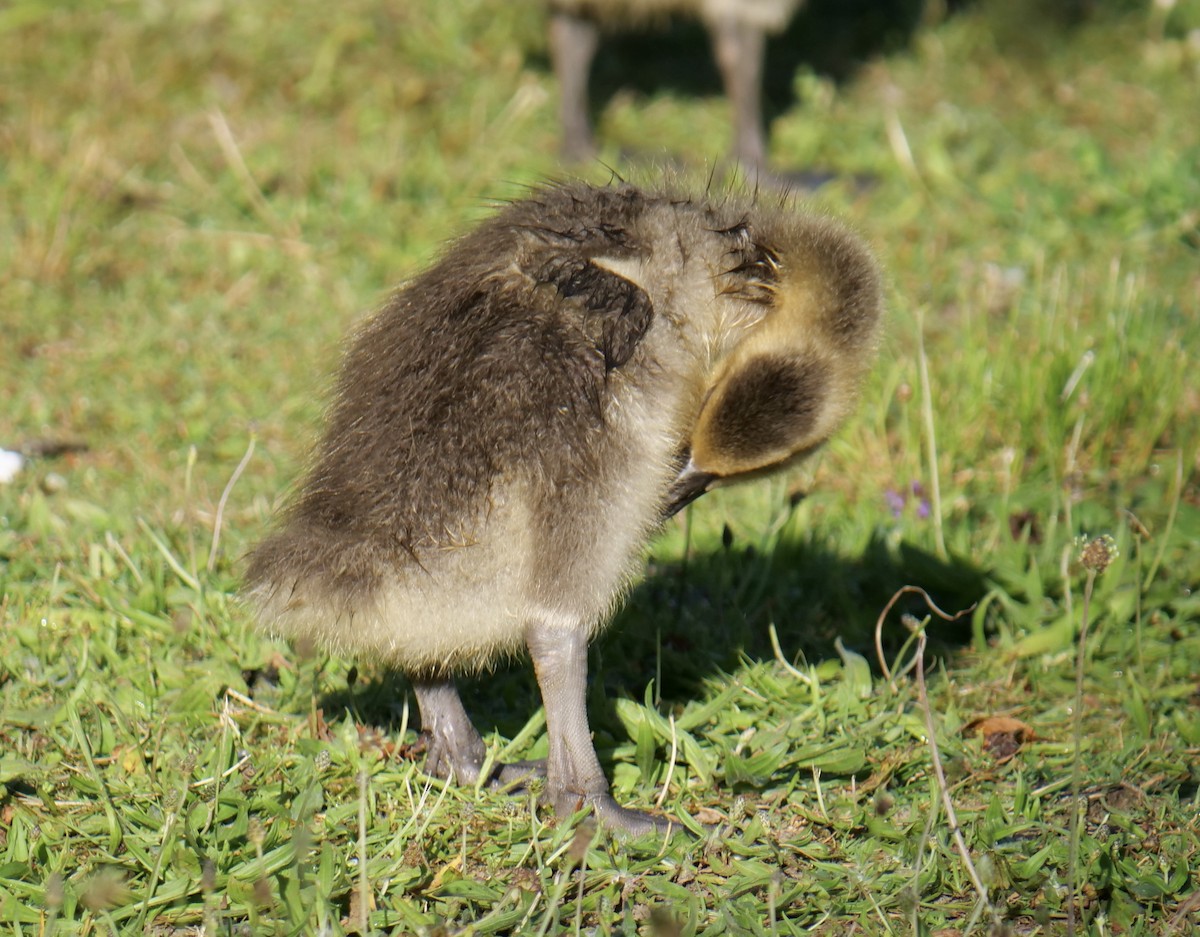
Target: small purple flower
[[897, 500]]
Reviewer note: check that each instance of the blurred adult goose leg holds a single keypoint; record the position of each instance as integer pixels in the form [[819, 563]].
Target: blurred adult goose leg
[[573, 43], [740, 48]]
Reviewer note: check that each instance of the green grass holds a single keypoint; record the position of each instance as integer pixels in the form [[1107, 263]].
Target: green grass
[[198, 199]]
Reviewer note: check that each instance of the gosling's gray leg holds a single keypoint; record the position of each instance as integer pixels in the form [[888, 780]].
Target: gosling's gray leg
[[740, 49], [574, 779], [456, 750], [573, 43]]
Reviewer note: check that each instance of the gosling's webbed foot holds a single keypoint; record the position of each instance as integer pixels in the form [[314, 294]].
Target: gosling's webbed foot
[[449, 762], [510, 777], [618, 819], [454, 748], [513, 777]]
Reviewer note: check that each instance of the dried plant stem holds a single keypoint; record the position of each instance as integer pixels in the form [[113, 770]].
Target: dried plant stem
[[166, 844], [943, 788], [898, 139], [903, 590], [237, 473], [187, 578], [662, 795], [1171, 515], [364, 883], [784, 662], [935, 484], [233, 158], [1070, 467], [1077, 758], [1064, 569]]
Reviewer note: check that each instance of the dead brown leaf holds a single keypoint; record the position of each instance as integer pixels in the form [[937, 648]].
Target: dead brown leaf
[[709, 817], [1003, 736]]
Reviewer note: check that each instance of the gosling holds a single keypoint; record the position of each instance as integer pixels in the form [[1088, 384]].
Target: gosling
[[513, 425], [737, 28]]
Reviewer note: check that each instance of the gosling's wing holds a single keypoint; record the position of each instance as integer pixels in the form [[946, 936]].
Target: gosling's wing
[[570, 237], [615, 312]]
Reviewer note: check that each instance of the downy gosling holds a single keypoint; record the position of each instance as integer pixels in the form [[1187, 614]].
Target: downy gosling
[[515, 423]]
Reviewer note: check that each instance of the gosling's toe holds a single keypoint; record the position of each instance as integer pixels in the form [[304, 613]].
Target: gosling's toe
[[620, 820], [513, 777]]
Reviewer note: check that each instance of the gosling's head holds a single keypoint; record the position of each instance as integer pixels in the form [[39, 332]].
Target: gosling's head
[[791, 379]]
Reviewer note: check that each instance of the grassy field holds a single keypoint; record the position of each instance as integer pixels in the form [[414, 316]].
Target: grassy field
[[199, 198]]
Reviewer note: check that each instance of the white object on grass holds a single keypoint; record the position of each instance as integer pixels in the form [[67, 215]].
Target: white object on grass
[[10, 464]]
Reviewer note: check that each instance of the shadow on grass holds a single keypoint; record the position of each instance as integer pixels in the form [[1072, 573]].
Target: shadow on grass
[[687, 623]]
